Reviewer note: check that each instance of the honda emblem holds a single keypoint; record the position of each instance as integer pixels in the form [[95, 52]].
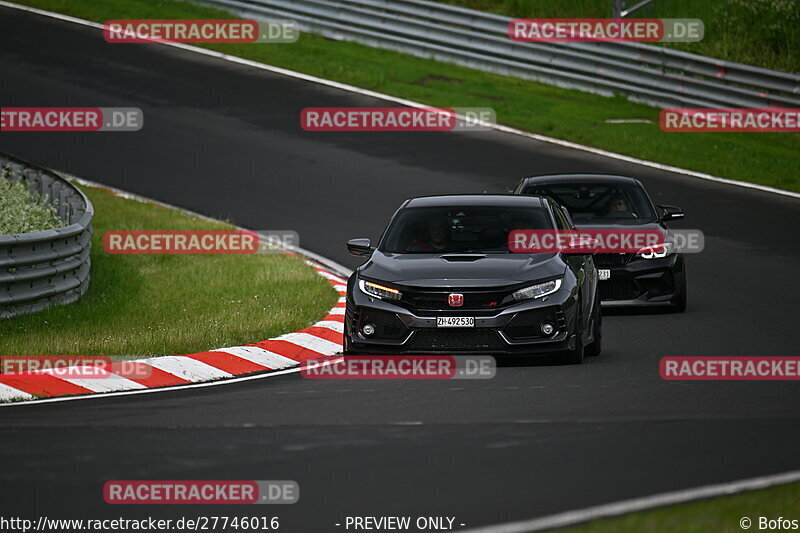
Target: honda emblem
[[455, 300]]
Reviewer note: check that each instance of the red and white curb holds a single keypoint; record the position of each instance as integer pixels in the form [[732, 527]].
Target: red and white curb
[[322, 339]]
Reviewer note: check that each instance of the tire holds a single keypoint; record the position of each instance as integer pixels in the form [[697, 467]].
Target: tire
[[596, 346]]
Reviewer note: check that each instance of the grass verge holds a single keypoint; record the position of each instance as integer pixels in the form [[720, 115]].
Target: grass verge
[[771, 159], [720, 515], [764, 33], [170, 304], [22, 211]]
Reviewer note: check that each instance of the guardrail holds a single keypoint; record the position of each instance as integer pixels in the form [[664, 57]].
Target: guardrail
[[48, 267], [651, 74]]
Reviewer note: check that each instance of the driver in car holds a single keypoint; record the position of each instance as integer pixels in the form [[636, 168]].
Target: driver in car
[[618, 206], [438, 233]]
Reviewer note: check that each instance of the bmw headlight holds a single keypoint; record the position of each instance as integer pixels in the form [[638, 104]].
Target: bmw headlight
[[379, 291], [659, 251], [538, 290]]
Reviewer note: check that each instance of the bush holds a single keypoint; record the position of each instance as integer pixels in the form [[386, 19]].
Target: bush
[[21, 211]]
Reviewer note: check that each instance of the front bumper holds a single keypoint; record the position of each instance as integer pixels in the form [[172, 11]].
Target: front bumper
[[644, 283], [512, 330]]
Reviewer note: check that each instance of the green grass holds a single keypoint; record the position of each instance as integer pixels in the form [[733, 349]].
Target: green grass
[[22, 211], [764, 33], [170, 304], [766, 158], [719, 515]]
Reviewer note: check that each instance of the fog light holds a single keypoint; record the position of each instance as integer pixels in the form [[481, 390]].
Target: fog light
[[548, 328], [368, 329]]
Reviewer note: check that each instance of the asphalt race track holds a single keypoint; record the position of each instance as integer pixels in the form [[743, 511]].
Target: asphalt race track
[[225, 140]]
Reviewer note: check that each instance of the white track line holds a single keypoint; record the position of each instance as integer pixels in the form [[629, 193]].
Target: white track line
[[8, 393], [337, 311], [578, 516], [259, 356], [411, 103], [186, 368]]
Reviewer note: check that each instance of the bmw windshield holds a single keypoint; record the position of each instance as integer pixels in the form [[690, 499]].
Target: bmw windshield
[[454, 229], [599, 203]]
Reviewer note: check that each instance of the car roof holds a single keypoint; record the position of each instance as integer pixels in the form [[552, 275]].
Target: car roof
[[501, 200], [580, 178]]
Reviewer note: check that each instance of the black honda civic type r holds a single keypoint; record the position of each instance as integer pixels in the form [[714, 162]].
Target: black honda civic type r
[[442, 280], [650, 278]]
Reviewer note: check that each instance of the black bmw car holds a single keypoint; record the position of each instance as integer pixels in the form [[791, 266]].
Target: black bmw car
[[648, 278], [442, 280]]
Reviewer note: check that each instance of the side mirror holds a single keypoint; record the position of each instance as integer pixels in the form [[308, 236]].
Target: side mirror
[[671, 212], [582, 246], [359, 246]]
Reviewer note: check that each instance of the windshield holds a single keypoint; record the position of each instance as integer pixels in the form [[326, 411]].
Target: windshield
[[598, 203], [479, 229]]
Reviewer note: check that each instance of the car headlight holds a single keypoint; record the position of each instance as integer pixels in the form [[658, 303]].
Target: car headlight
[[659, 251], [379, 291], [538, 290]]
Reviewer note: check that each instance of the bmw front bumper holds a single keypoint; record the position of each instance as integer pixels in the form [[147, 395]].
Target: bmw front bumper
[[644, 283]]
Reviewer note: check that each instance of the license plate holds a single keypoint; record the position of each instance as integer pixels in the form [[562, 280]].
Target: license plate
[[603, 274], [455, 322]]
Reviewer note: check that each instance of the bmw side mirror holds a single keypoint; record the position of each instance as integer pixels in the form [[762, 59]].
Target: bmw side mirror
[[671, 212], [583, 246], [359, 246]]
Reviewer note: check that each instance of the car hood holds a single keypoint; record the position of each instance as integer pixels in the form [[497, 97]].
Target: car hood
[[646, 226], [623, 226], [457, 270]]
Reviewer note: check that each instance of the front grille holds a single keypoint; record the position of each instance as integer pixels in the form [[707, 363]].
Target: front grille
[[612, 260], [476, 339], [388, 326], [527, 324], [619, 288], [473, 300]]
